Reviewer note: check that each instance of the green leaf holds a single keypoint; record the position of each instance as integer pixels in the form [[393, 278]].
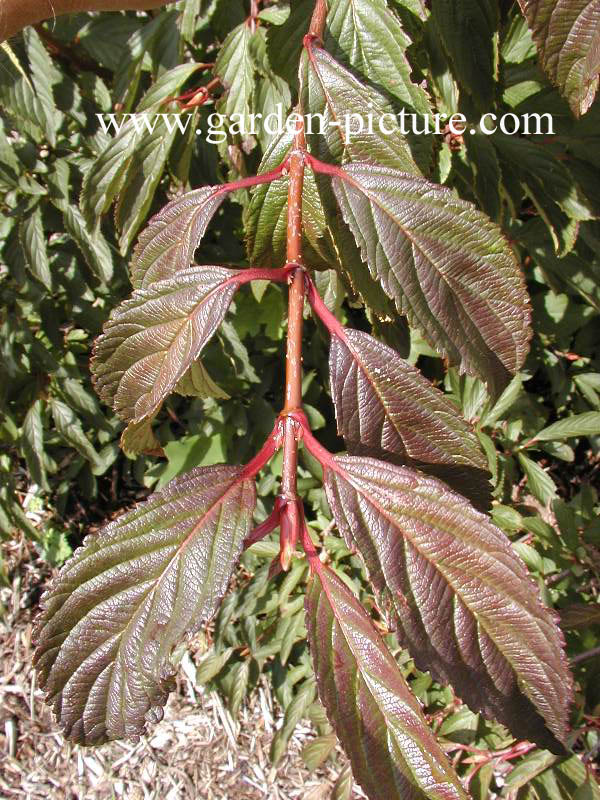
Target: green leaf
[[367, 37], [504, 403], [169, 84], [539, 482], [144, 171], [385, 408], [533, 764], [152, 339], [468, 30], [69, 427], [445, 265], [517, 44], [130, 594], [568, 40], [296, 711], [552, 779], [316, 752], [284, 42], [237, 352], [393, 752], [571, 272], [93, 245], [588, 790], [239, 678], [484, 161], [343, 785], [168, 243], [235, 67], [105, 38], [32, 443], [442, 571], [44, 75], [33, 241], [332, 91], [138, 437], [549, 185], [104, 180], [211, 664], [197, 383], [586, 424], [56, 548], [265, 221]]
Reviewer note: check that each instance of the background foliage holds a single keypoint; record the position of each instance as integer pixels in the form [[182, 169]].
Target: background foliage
[[73, 199]]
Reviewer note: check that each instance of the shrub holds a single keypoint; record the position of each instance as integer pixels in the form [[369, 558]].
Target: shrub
[[362, 220]]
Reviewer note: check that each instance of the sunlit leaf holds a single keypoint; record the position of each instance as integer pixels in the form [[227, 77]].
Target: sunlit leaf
[[367, 37], [138, 437], [447, 267], [144, 171], [539, 483], [586, 424], [168, 243], [393, 753], [461, 599], [387, 409], [345, 132], [235, 67], [152, 339], [130, 594], [197, 383], [568, 39], [104, 180]]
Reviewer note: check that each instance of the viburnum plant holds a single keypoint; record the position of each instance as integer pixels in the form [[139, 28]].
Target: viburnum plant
[[410, 497]]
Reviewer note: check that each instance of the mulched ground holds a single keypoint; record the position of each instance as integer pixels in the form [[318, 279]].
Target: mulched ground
[[197, 751]]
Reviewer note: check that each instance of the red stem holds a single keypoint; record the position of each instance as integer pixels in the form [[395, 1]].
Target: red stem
[[317, 23], [255, 180], [289, 532], [254, 14], [257, 274], [293, 383], [327, 169], [288, 512], [309, 548], [266, 527], [333, 325], [323, 456], [265, 454]]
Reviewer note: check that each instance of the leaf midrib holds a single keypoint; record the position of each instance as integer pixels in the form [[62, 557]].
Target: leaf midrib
[[119, 635], [346, 176], [163, 353], [406, 537]]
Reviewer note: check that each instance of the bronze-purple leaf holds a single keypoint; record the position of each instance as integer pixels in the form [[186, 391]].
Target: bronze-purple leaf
[[393, 752], [447, 267], [385, 408], [152, 339], [460, 598], [130, 594], [568, 39], [168, 243]]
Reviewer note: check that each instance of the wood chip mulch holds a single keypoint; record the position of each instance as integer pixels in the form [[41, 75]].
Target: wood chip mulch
[[197, 752]]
